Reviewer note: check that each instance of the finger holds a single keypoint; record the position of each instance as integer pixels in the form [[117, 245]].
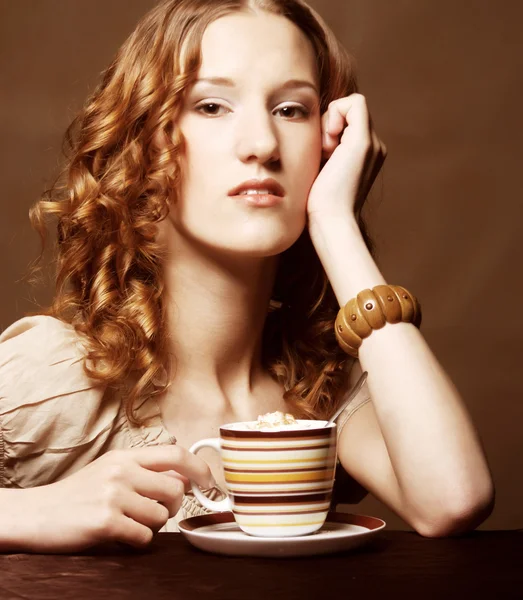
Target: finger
[[349, 115], [129, 531], [173, 504], [324, 120], [143, 510], [352, 111], [336, 121], [329, 141], [168, 489], [176, 458], [158, 486], [186, 482]]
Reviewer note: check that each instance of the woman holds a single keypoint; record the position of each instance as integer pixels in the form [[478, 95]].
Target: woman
[[209, 229]]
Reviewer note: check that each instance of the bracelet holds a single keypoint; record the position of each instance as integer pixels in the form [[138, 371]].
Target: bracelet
[[372, 309]]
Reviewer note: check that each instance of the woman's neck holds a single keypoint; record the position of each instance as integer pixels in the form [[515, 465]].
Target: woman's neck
[[216, 310]]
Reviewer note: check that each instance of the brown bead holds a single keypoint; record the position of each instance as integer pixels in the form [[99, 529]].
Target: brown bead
[[373, 307]]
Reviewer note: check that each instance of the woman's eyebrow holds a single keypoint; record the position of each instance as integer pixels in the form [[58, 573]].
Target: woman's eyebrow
[[290, 84]]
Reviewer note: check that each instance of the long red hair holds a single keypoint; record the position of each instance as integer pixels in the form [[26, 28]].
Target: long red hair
[[118, 184]]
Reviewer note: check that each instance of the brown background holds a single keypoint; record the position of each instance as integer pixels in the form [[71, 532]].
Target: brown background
[[444, 82]]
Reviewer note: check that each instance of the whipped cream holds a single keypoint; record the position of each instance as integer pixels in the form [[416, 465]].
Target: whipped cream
[[275, 420]]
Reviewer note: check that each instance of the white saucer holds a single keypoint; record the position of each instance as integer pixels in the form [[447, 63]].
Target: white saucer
[[219, 533]]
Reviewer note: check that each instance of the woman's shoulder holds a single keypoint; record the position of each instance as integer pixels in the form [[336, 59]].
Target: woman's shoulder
[[41, 355], [53, 416], [39, 330], [354, 372]]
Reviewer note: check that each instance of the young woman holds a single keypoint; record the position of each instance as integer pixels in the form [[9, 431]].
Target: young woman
[[209, 230]]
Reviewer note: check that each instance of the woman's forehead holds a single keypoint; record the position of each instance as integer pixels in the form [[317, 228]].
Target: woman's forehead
[[247, 45]]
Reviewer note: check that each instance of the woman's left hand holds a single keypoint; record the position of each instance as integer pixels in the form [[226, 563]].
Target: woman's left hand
[[353, 162]]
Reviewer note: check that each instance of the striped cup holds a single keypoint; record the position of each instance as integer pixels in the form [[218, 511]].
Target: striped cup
[[279, 482]]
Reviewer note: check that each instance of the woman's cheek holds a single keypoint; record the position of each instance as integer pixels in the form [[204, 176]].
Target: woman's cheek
[[313, 162], [315, 150]]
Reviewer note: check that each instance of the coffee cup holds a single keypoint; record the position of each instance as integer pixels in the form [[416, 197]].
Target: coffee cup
[[278, 481]]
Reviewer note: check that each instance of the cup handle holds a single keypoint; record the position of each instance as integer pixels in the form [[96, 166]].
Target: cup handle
[[222, 505]]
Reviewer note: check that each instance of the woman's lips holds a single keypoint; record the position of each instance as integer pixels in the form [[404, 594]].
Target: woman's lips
[[259, 200], [268, 184]]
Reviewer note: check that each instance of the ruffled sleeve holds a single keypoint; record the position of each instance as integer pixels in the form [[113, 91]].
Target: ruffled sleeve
[[54, 419]]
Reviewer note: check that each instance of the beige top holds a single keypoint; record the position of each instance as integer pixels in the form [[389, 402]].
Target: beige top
[[54, 419]]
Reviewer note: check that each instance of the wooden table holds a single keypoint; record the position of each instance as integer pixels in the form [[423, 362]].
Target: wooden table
[[397, 564]]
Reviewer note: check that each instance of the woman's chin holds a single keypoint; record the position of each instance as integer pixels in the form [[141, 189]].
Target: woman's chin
[[254, 242], [263, 245], [253, 250]]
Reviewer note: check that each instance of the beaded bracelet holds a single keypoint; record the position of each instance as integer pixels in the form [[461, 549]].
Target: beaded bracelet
[[372, 309]]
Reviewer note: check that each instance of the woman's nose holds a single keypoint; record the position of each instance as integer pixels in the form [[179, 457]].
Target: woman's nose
[[256, 138]]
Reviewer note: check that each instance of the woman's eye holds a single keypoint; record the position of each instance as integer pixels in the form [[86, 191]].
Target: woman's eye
[[290, 112], [211, 109]]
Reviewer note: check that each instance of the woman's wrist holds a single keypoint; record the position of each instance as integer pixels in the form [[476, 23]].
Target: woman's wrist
[[17, 512], [345, 257]]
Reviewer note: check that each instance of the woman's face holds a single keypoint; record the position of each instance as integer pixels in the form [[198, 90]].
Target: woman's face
[[253, 114]]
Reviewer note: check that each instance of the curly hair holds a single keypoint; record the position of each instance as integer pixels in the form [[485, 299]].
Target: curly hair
[[117, 185]]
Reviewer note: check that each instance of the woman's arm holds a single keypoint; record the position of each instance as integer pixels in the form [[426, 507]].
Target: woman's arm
[[439, 480], [123, 496], [15, 520], [414, 446]]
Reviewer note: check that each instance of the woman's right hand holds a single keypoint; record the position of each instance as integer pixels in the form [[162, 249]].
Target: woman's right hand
[[123, 496]]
